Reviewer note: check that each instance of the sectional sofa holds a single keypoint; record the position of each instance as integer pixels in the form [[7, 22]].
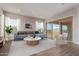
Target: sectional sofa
[[22, 34]]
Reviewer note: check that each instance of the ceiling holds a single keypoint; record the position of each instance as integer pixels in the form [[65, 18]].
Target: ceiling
[[40, 10], [67, 20]]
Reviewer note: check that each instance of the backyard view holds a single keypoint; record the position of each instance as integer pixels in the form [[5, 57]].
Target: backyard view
[[53, 30]]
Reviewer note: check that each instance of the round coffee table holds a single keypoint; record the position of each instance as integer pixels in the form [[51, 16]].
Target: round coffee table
[[32, 41]]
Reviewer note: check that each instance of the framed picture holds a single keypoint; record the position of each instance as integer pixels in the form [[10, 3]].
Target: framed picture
[[27, 25]]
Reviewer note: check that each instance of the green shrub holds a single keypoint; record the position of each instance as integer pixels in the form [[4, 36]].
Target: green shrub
[[8, 29]]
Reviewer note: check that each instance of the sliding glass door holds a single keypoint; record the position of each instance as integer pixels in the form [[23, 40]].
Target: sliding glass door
[[56, 30], [64, 28], [60, 27], [49, 30], [53, 30]]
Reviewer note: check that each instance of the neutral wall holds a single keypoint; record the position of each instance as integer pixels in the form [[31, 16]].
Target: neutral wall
[[24, 20], [2, 23], [75, 13]]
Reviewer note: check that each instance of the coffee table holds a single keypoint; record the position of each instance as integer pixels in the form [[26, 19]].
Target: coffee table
[[32, 41]]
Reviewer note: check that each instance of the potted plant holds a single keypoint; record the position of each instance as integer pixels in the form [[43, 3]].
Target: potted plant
[[8, 30]]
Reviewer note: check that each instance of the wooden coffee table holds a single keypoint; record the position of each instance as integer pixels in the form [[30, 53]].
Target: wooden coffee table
[[32, 41]]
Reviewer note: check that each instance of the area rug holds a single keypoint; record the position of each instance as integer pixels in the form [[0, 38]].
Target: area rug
[[20, 48]]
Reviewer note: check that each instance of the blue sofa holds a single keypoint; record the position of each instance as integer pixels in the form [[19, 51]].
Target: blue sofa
[[22, 34]]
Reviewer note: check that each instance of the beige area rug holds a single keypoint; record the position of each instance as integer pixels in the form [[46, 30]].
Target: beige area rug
[[20, 48]]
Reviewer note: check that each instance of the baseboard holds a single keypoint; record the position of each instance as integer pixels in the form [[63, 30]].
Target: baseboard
[[76, 42]]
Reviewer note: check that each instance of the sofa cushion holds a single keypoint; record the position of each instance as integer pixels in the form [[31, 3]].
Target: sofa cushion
[[25, 32], [41, 35], [22, 34], [36, 32]]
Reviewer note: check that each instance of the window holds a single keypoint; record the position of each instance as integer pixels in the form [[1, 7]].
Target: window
[[14, 22], [56, 26], [65, 28], [49, 26], [39, 26]]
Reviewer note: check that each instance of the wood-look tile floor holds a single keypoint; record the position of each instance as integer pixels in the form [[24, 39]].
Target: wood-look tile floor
[[69, 49], [5, 50]]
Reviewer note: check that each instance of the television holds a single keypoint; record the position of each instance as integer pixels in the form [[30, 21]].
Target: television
[[27, 25]]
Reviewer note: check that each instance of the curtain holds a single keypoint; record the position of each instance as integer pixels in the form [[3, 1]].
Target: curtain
[[14, 22]]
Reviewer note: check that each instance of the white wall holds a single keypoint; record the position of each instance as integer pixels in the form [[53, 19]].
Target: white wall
[[23, 20], [75, 13], [76, 26], [2, 23], [28, 20], [22, 23]]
